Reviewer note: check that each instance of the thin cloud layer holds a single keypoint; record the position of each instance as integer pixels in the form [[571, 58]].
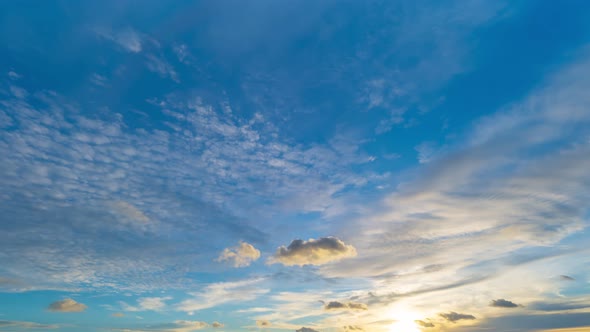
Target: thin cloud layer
[[241, 256], [66, 305], [313, 252]]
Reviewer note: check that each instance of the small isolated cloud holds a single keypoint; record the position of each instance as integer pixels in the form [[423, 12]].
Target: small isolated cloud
[[128, 39], [13, 75], [454, 316], [335, 305], [242, 255], [501, 303], [98, 80], [566, 278], [182, 53], [67, 305], [313, 252], [118, 314], [353, 328], [217, 325], [306, 329], [263, 323], [424, 323]]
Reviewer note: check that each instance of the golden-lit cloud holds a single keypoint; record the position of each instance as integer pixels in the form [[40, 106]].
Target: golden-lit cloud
[[241, 256], [67, 305], [263, 323], [313, 252]]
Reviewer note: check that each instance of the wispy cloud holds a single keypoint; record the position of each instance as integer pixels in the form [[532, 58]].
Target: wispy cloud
[[128, 38], [223, 293]]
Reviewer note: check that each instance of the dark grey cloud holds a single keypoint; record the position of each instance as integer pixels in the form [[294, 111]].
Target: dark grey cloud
[[306, 329], [501, 303], [67, 305], [335, 305], [313, 252], [566, 278], [263, 323], [424, 323], [454, 316]]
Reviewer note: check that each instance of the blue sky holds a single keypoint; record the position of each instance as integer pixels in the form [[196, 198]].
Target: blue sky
[[294, 165]]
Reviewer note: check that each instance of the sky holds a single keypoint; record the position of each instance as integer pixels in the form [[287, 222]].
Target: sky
[[308, 166]]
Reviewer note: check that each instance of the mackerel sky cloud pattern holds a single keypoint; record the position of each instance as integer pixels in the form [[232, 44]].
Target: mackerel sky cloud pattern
[[314, 166]]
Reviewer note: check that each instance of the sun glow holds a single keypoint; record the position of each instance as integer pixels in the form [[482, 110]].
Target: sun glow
[[405, 321]]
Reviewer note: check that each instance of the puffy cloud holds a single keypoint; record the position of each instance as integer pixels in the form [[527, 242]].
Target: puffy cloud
[[306, 329], [353, 328], [313, 252], [263, 323], [217, 325], [424, 323], [501, 303], [454, 316], [335, 305], [67, 305], [242, 255]]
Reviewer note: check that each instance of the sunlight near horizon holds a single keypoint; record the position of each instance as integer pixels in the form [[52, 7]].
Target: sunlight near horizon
[[405, 322]]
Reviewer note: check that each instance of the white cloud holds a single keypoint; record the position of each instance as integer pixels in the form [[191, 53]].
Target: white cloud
[[242, 255], [146, 304]]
